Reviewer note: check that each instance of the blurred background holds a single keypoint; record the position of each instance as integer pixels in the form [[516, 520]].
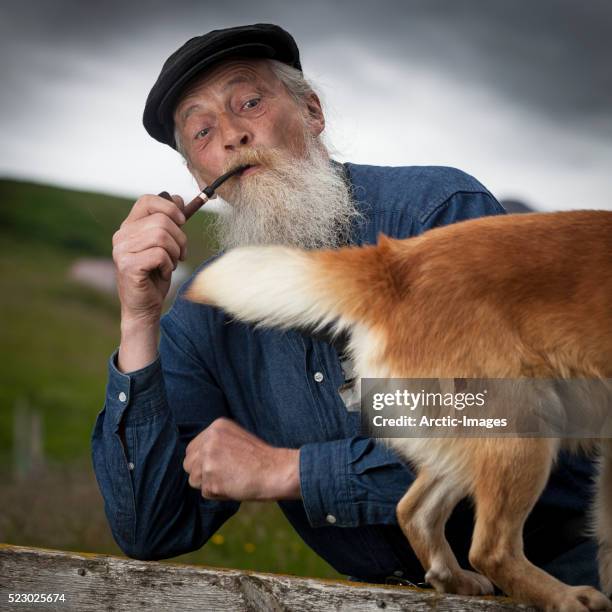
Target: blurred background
[[517, 93]]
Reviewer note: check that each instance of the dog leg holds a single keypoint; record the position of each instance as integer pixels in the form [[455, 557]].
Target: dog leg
[[603, 516], [422, 514], [509, 477]]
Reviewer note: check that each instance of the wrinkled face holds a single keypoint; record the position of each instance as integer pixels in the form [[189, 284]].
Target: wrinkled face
[[241, 113], [238, 105]]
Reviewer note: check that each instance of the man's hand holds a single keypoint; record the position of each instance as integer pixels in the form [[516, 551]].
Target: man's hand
[[146, 249], [227, 462]]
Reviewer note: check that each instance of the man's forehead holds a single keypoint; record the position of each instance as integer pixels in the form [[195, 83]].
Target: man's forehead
[[223, 77]]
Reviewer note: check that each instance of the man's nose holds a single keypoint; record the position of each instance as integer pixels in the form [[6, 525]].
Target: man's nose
[[235, 134]]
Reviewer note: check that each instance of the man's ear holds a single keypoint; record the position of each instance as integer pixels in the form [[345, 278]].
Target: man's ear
[[315, 117]]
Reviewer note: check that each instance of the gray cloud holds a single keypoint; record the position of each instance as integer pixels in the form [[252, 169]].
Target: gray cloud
[[553, 54], [534, 76]]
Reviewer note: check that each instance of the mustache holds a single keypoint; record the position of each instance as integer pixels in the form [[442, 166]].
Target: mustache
[[268, 157]]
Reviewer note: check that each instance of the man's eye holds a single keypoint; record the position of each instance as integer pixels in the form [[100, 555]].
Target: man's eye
[[252, 103], [202, 133]]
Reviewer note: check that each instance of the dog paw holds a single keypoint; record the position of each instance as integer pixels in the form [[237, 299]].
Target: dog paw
[[473, 583], [580, 599], [463, 582]]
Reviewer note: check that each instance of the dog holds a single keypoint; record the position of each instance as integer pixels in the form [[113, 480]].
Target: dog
[[503, 297]]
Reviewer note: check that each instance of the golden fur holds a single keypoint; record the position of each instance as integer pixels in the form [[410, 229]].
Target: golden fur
[[497, 297]]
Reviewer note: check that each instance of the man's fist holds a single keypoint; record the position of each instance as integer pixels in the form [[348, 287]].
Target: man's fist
[[227, 462], [146, 249]]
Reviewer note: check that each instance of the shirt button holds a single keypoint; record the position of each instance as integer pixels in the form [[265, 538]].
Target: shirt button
[[318, 376], [122, 397], [130, 466], [330, 518]]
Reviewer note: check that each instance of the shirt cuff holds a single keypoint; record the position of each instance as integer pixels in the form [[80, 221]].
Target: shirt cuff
[[137, 396], [352, 482], [324, 483]]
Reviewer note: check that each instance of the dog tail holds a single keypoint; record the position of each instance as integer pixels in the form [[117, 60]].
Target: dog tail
[[284, 287]]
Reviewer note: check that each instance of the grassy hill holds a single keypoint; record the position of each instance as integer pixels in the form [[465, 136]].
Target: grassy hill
[[56, 333], [56, 337]]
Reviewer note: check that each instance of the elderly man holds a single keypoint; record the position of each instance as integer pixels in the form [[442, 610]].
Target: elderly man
[[220, 412]]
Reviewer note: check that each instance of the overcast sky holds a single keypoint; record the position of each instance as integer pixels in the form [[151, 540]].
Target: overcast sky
[[516, 92]]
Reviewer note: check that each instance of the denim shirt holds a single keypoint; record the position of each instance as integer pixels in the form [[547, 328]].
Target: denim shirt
[[283, 387]]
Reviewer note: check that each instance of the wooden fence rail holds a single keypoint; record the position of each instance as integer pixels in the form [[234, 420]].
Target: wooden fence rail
[[97, 582]]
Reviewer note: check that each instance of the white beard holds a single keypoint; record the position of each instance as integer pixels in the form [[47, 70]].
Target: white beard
[[302, 202]]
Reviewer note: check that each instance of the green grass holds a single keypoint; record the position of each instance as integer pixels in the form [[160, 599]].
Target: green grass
[[56, 337], [65, 511], [57, 334]]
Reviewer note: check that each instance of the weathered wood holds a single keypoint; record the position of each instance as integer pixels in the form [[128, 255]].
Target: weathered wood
[[98, 582]]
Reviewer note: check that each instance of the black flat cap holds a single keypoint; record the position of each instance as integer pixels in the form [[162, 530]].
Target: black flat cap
[[200, 53]]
